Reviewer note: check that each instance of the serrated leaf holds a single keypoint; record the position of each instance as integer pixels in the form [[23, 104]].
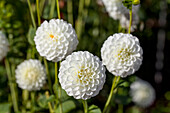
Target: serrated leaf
[[94, 109], [67, 106]]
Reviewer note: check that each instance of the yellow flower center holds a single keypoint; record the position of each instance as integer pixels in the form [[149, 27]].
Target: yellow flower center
[[52, 36], [84, 75]]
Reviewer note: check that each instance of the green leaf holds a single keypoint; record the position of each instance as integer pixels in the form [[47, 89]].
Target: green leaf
[[94, 109], [42, 101], [31, 34], [51, 98], [5, 108], [67, 106]]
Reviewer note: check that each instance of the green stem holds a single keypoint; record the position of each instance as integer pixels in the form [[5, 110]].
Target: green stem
[[56, 73], [130, 22], [31, 13], [12, 86], [79, 20], [48, 76], [85, 105], [52, 9], [32, 101], [70, 11], [49, 104], [59, 88], [38, 13], [58, 9], [115, 81]]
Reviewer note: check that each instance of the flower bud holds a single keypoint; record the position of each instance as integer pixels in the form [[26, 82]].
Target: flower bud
[[136, 2]]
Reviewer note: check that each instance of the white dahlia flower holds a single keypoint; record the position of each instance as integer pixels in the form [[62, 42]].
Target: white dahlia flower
[[55, 39], [122, 54], [114, 8], [30, 75], [142, 93], [125, 19], [4, 45], [82, 75]]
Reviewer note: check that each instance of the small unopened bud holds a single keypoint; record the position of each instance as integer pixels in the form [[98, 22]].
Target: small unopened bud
[[136, 2]]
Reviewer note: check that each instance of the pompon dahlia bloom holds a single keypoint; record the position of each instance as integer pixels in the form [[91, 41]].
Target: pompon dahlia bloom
[[82, 75], [142, 93], [55, 39], [114, 8], [4, 45], [122, 54], [30, 75]]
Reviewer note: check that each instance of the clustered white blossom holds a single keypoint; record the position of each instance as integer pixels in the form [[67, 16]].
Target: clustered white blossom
[[82, 75], [118, 11], [55, 39], [30, 75], [114, 8], [122, 54], [142, 93], [4, 45]]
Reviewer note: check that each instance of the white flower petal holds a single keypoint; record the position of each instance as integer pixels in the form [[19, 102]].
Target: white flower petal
[[30, 75], [83, 70], [55, 39], [4, 45], [142, 93], [120, 58]]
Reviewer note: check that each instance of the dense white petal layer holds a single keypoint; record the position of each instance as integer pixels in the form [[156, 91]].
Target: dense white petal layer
[[122, 54], [30, 75], [82, 75], [142, 93], [4, 45], [55, 39]]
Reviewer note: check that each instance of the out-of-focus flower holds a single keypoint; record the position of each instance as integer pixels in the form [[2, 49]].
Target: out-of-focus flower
[[82, 75], [55, 39], [122, 54], [30, 75], [125, 19], [4, 45], [142, 93], [114, 8]]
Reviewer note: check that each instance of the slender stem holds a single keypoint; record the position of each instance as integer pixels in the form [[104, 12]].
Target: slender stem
[[115, 81], [48, 76], [130, 22], [12, 86], [49, 104], [70, 11], [31, 12], [38, 13], [85, 105], [56, 73], [52, 9], [32, 101], [58, 9], [79, 20]]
